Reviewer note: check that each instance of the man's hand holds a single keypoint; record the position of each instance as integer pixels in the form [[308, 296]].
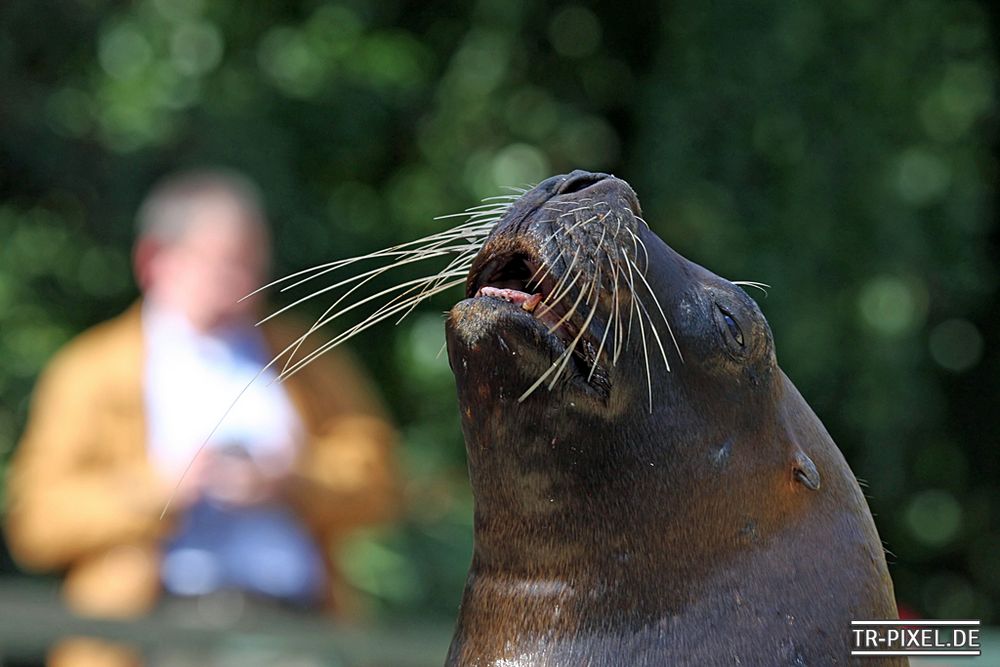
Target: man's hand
[[240, 480]]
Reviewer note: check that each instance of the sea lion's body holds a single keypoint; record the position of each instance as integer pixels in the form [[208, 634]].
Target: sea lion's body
[[696, 516]]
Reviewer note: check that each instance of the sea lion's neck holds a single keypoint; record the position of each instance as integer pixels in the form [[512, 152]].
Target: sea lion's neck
[[546, 507]]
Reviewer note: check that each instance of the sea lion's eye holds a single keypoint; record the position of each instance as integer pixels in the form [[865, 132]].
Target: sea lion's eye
[[734, 328]]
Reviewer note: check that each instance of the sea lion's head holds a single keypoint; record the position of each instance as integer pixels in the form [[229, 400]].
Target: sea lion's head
[[608, 384], [572, 274], [649, 487]]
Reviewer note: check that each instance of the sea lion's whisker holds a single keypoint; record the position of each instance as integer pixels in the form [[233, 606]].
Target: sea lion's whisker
[[401, 254], [475, 216], [645, 359], [545, 266], [462, 264], [574, 210], [410, 300], [511, 197], [479, 207], [644, 311], [467, 232], [363, 278], [410, 258], [516, 189], [635, 246], [763, 287], [581, 222], [317, 268], [569, 314], [326, 317], [358, 328], [541, 380], [662, 314], [565, 231], [319, 321], [463, 230], [607, 325], [353, 331], [645, 251], [413, 285], [435, 246], [485, 209], [552, 300], [631, 310], [429, 289], [619, 342], [465, 258], [555, 295], [642, 331], [568, 353], [600, 347]]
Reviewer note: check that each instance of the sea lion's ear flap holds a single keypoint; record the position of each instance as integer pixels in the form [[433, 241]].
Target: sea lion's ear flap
[[804, 470]]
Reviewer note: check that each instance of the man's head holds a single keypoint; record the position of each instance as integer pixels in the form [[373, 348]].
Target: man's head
[[202, 244]]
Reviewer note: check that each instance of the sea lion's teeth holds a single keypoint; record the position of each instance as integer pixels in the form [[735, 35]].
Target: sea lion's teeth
[[514, 296], [532, 302]]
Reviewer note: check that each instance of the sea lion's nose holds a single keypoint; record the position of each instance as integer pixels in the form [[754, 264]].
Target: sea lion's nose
[[579, 180]]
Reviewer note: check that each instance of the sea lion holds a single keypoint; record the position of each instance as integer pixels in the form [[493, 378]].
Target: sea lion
[[650, 488]]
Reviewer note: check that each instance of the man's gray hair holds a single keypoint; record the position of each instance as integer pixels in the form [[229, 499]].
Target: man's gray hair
[[168, 210]]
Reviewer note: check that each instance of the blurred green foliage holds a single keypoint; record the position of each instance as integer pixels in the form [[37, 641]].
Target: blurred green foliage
[[839, 151]]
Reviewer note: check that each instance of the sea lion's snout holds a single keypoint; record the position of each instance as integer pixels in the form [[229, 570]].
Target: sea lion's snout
[[564, 262]]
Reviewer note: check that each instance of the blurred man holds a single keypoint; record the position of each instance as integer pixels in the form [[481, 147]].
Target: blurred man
[[125, 408]]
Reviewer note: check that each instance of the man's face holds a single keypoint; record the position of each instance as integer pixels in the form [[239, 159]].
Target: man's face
[[220, 258]]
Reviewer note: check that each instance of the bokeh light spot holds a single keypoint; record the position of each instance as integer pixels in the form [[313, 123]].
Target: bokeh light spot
[[196, 48], [424, 349], [934, 517], [286, 58], [891, 305], [590, 143], [532, 112], [966, 91], [921, 177], [178, 10], [124, 51], [956, 345], [575, 32], [519, 165], [949, 595], [481, 63]]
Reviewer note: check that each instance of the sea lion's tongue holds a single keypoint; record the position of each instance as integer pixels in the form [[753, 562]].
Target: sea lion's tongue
[[527, 301]]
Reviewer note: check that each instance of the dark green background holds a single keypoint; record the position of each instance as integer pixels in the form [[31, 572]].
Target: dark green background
[[841, 151]]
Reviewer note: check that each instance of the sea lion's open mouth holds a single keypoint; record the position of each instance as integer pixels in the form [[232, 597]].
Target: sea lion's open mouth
[[521, 278]]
